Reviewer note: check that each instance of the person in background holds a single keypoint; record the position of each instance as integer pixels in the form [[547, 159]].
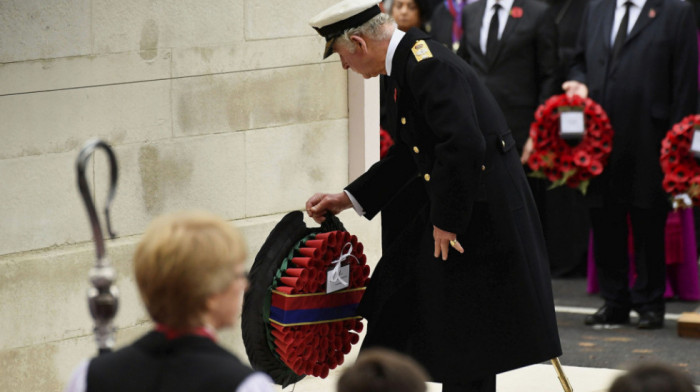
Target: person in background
[[410, 13], [639, 60], [189, 271], [650, 377], [381, 370], [566, 223], [446, 23]]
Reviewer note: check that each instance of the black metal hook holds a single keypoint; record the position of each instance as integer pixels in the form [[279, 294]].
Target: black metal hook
[[83, 158]]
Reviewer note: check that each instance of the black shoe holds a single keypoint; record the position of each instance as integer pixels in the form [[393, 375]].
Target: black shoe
[[608, 315], [651, 320]]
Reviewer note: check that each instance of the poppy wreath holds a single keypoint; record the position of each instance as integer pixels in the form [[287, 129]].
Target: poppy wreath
[[291, 326], [558, 161], [678, 163]]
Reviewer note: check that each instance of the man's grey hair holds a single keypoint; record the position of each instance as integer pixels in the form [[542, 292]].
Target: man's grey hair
[[374, 29]]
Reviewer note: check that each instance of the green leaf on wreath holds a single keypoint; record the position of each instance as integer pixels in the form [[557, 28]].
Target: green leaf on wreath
[[537, 174], [563, 180], [583, 186]]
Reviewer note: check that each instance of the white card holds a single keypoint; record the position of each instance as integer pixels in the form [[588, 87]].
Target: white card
[[339, 282], [695, 145], [571, 123]]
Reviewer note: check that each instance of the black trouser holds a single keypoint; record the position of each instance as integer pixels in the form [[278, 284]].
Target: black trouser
[[610, 232], [486, 384]]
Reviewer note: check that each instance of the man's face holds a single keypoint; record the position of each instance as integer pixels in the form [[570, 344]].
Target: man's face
[[363, 60]]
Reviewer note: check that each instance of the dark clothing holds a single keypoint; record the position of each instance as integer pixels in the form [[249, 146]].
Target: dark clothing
[[490, 309], [612, 262], [648, 87], [522, 74], [441, 26], [651, 86], [154, 363], [568, 16], [565, 219]]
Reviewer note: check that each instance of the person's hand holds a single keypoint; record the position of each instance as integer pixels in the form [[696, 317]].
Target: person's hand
[[573, 87], [318, 204], [527, 151], [443, 241]]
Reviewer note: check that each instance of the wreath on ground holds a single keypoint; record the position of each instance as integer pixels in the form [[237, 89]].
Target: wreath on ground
[[554, 158], [680, 168]]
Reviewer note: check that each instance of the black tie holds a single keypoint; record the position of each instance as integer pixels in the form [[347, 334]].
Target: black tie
[[621, 31], [492, 39]]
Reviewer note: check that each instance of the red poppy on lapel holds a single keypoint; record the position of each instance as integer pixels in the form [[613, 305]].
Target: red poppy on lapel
[[652, 13], [516, 12]]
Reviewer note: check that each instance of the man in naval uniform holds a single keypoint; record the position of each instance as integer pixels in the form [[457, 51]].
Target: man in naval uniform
[[464, 288]]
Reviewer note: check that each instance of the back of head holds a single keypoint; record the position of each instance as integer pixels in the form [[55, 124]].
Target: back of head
[[182, 259], [379, 370], [653, 378]]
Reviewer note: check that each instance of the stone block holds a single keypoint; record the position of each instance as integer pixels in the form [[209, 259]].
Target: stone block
[[149, 26], [48, 367], [184, 173], [41, 205], [60, 121], [82, 71], [44, 294], [286, 165], [248, 55], [259, 99], [35, 29], [271, 19]]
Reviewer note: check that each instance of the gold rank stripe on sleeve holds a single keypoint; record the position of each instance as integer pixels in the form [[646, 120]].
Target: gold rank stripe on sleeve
[[421, 51]]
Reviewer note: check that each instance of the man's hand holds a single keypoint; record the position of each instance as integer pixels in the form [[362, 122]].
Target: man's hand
[[573, 87], [443, 241], [318, 204], [527, 151]]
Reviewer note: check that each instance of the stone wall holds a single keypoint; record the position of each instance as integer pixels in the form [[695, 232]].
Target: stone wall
[[223, 105]]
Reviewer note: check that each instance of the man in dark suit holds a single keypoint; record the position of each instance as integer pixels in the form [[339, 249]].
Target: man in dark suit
[[512, 45], [465, 288], [639, 60]]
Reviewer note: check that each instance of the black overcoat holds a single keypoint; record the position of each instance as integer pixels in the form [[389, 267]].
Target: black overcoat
[[490, 309], [650, 86]]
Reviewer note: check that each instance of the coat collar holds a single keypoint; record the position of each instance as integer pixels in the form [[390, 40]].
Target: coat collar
[[398, 65]]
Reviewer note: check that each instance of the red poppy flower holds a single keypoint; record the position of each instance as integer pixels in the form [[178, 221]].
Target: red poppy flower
[[595, 167]]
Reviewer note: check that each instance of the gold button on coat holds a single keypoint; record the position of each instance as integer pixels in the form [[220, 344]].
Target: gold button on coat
[[427, 177], [403, 120], [483, 167], [503, 143], [415, 149]]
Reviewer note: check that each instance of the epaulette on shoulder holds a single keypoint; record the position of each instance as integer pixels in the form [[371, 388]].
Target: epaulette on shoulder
[[421, 51]]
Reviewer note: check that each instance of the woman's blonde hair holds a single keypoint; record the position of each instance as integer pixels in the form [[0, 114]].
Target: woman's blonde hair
[[182, 259]]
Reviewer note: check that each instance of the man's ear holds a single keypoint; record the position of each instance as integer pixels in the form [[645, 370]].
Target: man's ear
[[360, 42]]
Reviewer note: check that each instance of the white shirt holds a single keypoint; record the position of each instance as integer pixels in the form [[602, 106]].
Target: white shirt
[[635, 10], [503, 13], [393, 44], [256, 382]]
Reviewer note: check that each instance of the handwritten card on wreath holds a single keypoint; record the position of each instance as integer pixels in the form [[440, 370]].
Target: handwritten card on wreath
[[337, 278], [695, 145], [571, 122]]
